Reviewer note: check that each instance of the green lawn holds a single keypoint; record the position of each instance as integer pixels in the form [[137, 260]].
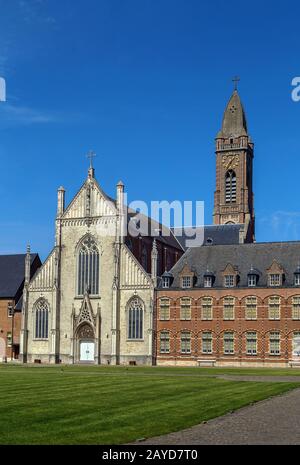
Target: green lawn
[[111, 405]]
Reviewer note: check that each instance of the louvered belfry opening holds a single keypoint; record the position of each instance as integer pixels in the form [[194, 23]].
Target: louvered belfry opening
[[230, 186]]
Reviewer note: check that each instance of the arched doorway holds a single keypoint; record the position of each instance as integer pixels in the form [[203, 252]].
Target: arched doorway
[[85, 344]]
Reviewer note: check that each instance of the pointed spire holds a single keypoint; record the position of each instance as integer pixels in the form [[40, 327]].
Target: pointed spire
[[154, 258], [91, 171], [234, 120], [27, 264]]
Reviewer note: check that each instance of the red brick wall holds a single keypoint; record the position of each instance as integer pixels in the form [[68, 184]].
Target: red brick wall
[[286, 326], [6, 323]]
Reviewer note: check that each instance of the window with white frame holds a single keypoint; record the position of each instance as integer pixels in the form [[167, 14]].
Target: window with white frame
[[185, 308], [251, 308], [252, 280], [207, 342], [228, 308], [251, 343], [41, 320], [275, 279], [274, 308], [10, 311], [229, 342], [9, 339], [135, 319], [208, 281], [296, 308], [185, 342], [229, 280], [165, 342], [164, 309], [296, 344], [165, 282], [88, 267], [186, 282], [274, 342], [297, 279], [207, 308]]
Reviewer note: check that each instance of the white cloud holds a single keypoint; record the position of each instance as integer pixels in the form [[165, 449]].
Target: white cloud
[[284, 225], [11, 114]]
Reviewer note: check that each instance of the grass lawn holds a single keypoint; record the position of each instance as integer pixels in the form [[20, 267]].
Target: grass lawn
[[113, 405]]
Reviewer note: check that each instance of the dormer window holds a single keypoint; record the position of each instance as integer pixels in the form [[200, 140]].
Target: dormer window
[[165, 282], [186, 282], [275, 274], [187, 276], [208, 281], [208, 278], [297, 276], [275, 279], [229, 280], [252, 280]]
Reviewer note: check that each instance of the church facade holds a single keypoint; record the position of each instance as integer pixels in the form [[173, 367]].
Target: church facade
[[92, 299]]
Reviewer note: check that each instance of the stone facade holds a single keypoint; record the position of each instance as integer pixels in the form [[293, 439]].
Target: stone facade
[[95, 321]]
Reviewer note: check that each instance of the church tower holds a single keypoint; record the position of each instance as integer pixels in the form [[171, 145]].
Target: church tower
[[233, 202]]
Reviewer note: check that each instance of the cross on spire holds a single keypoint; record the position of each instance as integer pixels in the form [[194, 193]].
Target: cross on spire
[[236, 79], [91, 155]]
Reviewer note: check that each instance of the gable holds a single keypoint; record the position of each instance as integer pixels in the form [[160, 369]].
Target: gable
[[90, 201], [132, 273], [186, 271], [44, 277], [275, 268], [230, 269]]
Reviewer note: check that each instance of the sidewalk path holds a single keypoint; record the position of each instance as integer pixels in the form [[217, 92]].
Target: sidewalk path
[[272, 421]]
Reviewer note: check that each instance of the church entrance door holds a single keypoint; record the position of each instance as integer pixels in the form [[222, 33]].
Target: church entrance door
[[87, 351], [85, 343]]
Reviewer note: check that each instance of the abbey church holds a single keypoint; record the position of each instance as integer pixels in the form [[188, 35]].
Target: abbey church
[[106, 297]]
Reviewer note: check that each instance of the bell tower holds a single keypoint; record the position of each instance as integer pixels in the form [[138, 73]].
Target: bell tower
[[233, 202]]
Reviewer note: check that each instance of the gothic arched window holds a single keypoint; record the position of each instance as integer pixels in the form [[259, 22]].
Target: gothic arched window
[[88, 267], [230, 186], [41, 320], [135, 319]]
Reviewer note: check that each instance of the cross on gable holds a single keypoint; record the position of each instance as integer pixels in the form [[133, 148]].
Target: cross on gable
[[235, 80], [91, 155]]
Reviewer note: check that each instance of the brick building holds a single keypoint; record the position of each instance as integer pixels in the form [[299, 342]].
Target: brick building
[[231, 302], [12, 272]]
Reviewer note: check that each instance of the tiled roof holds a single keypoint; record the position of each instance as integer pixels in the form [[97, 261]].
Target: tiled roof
[[243, 257], [211, 235], [12, 270]]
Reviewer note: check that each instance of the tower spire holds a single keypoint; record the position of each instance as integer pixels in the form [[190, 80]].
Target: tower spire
[[233, 201], [234, 122]]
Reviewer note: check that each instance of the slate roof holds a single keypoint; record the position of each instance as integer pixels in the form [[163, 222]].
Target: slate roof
[[12, 270], [153, 227], [212, 235], [243, 257], [234, 120]]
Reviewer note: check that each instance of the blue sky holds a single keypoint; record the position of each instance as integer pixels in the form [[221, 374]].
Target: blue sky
[[144, 83]]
